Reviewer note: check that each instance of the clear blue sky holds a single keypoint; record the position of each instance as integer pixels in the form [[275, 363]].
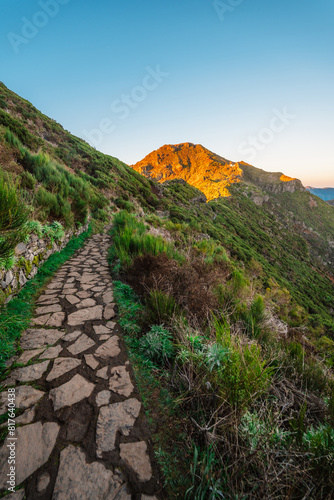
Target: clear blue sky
[[229, 71]]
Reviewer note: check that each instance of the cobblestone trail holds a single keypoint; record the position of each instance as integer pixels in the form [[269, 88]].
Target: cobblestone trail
[[81, 430]]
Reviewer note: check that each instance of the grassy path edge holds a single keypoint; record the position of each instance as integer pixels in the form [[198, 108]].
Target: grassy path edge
[[15, 316]]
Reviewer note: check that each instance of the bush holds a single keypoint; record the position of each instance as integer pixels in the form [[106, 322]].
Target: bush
[[157, 345]]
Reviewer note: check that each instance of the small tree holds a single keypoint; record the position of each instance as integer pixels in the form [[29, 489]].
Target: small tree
[[13, 216]]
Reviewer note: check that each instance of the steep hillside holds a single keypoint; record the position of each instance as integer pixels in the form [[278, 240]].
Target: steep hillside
[[209, 172], [63, 177]]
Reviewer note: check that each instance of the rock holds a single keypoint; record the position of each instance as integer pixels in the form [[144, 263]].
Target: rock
[[72, 336], [84, 294], [34, 445], [43, 482], [69, 291], [135, 456], [52, 352], [9, 278], [35, 338], [103, 398], [62, 366], [111, 325], [48, 309], [90, 314], [91, 361], [56, 319], [71, 393], [72, 299], [55, 285], [100, 329], [25, 397], [78, 480], [88, 278], [47, 301], [27, 417], [98, 288], [146, 497], [103, 373], [109, 311], [82, 344], [49, 298], [112, 419], [109, 349], [41, 320], [26, 356], [108, 297], [30, 373], [104, 337], [86, 303], [120, 381], [22, 278]]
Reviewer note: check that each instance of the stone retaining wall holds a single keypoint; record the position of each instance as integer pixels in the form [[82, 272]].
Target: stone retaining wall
[[29, 257]]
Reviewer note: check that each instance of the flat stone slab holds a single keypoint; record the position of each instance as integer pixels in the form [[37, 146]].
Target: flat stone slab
[[27, 417], [72, 336], [62, 366], [135, 456], [57, 319], [35, 338], [108, 297], [109, 349], [109, 311], [103, 373], [120, 381], [112, 419], [25, 397], [28, 355], [90, 314], [71, 393], [70, 291], [86, 303], [103, 398], [84, 294], [52, 352], [48, 309], [48, 300], [88, 278], [82, 344], [100, 329], [34, 445], [72, 299], [78, 480], [91, 361], [30, 373]]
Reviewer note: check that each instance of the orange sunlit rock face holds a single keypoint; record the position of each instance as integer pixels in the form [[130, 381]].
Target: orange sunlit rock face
[[285, 178], [195, 164], [210, 173]]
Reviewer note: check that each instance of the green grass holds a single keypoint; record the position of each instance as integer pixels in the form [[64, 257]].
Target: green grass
[[16, 315]]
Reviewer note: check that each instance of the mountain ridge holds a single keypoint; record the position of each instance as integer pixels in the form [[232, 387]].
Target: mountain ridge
[[209, 172]]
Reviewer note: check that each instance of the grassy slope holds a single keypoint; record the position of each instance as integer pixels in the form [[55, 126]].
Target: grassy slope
[[107, 177]]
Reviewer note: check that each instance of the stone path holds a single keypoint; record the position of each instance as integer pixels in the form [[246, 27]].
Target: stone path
[[80, 430]]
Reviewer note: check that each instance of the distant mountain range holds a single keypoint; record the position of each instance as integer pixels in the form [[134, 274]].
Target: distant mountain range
[[326, 194]]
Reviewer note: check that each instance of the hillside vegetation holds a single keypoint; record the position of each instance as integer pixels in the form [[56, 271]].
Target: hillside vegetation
[[227, 303]]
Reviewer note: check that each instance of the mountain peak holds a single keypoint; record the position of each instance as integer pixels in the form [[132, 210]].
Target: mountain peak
[[210, 173]]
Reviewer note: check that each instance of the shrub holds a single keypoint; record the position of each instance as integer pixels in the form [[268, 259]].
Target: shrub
[[157, 345]]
